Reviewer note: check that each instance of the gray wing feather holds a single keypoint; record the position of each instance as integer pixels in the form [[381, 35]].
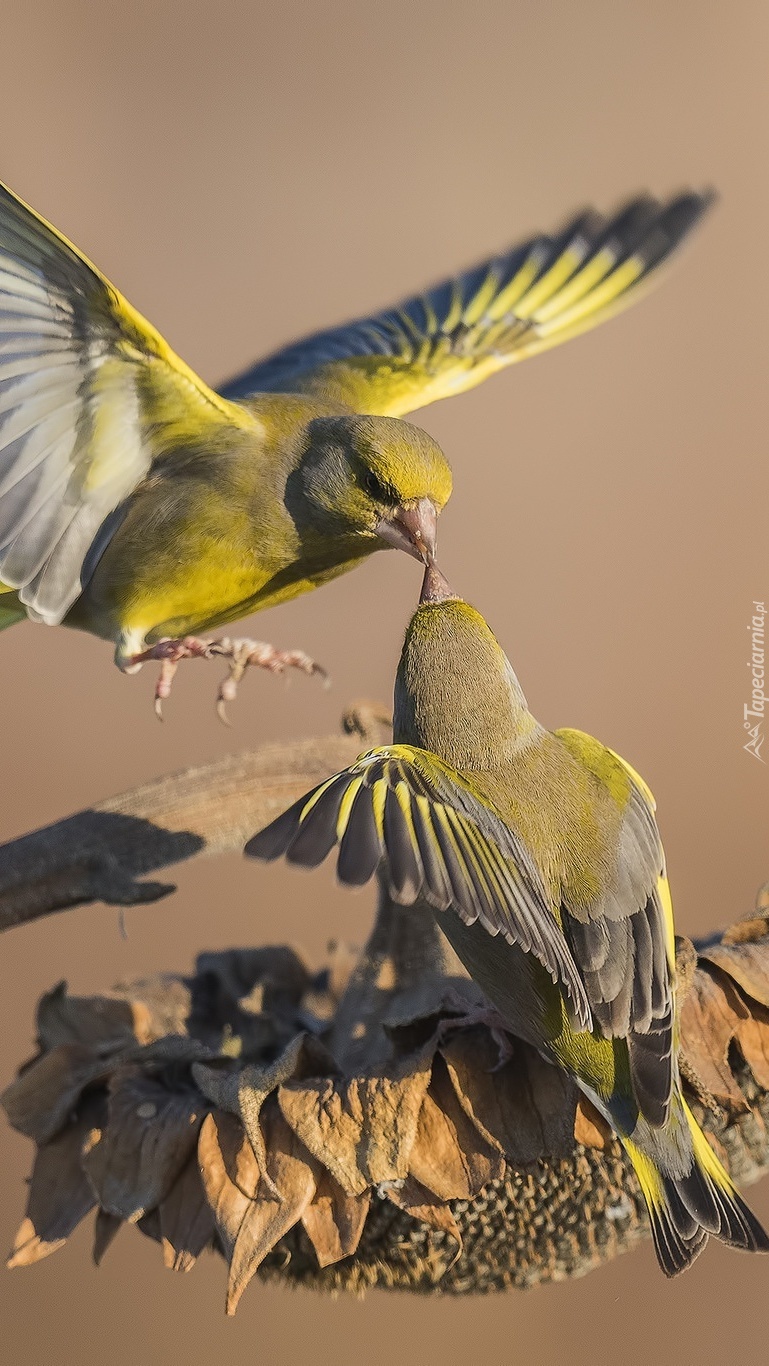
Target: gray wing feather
[[57, 484], [620, 943]]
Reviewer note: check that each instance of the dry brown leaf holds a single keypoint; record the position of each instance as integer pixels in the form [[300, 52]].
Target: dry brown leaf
[[711, 1015], [187, 1223], [149, 1225], [450, 1156], [243, 1090], [103, 1023], [525, 1107], [753, 1039], [60, 1194], [105, 1231], [229, 1171], [256, 992], [420, 1203], [41, 1100], [363, 1128], [149, 1135], [334, 1220], [161, 1005], [590, 1127], [745, 960], [292, 1173]]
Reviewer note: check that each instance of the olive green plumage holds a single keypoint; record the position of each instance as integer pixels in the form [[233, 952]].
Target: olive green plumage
[[137, 503], [540, 853]]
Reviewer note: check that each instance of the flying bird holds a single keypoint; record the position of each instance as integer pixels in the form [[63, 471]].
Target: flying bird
[[140, 505], [540, 855]]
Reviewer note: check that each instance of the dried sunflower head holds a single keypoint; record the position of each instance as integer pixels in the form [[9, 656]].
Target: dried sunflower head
[[232, 1111]]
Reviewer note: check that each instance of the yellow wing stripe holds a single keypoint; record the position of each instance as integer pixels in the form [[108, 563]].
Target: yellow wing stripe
[[315, 797], [598, 299], [649, 1178], [478, 305], [576, 288], [543, 290], [345, 806], [706, 1158], [507, 299], [637, 779], [403, 796], [378, 798], [666, 901]]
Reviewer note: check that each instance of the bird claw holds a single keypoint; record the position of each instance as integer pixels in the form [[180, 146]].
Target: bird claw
[[241, 653]]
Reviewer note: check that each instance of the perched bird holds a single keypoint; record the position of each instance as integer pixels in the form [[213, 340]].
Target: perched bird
[[138, 504], [540, 854]]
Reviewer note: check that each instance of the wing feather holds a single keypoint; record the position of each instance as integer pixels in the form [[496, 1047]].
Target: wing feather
[[540, 293], [623, 941], [90, 396], [403, 812]]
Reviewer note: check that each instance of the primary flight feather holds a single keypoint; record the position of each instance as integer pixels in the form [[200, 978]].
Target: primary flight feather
[[539, 851], [140, 505]]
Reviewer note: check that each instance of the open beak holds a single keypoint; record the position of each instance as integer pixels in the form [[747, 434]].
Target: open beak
[[413, 529]]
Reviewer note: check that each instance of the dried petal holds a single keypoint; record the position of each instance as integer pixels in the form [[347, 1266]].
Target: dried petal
[[450, 1156], [105, 1232], [186, 1221], [247, 981], [753, 1039], [243, 1091], [161, 1005], [60, 1194], [229, 1171], [334, 1220], [420, 1203], [361, 1129], [41, 1100], [293, 1174], [745, 960], [525, 1107], [710, 1017], [105, 1024], [590, 1127], [150, 1133]]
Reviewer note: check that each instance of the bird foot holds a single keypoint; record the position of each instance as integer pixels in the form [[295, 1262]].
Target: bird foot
[[241, 653]]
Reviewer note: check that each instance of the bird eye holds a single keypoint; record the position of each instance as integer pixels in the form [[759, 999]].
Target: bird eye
[[373, 485]]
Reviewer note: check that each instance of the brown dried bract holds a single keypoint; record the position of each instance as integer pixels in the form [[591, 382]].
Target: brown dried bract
[[211, 1113]]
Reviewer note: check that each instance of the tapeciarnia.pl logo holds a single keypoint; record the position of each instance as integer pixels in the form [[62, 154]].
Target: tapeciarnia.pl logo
[[754, 711]]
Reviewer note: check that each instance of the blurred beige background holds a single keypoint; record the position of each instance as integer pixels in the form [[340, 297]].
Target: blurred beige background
[[249, 171]]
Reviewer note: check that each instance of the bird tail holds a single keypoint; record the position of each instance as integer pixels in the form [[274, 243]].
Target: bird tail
[[688, 1193]]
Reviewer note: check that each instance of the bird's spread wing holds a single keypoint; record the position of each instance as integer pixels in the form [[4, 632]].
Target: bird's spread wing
[[455, 335], [400, 810], [624, 941], [90, 394]]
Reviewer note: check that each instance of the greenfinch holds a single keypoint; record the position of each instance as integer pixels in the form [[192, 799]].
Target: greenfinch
[[540, 855], [140, 505]]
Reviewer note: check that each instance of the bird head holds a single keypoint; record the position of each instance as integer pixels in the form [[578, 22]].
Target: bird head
[[455, 692], [377, 479]]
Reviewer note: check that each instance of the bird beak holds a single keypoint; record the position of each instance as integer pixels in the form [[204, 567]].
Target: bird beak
[[413, 529], [435, 588]]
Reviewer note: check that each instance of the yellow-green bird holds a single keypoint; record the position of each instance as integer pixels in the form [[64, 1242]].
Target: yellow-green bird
[[540, 853], [140, 505]]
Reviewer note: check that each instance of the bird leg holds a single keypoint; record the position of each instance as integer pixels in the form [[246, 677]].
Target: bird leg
[[241, 653]]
